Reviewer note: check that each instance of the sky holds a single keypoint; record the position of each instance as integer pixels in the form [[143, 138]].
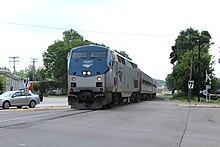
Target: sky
[[144, 29]]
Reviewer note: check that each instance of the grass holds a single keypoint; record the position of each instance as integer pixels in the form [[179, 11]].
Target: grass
[[184, 98]]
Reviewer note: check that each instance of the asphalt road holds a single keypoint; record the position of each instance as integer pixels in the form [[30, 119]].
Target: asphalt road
[[155, 123]]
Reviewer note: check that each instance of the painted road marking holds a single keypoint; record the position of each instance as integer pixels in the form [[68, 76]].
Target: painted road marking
[[36, 109]]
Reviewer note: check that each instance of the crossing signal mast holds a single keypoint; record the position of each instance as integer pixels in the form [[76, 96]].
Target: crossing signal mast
[[208, 86]]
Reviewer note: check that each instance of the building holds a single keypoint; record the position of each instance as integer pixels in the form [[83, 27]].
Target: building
[[10, 81]]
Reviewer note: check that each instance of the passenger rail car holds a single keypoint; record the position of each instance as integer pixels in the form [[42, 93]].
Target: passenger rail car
[[99, 77]]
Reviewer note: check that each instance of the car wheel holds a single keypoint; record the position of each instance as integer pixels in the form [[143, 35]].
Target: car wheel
[[32, 104], [6, 105]]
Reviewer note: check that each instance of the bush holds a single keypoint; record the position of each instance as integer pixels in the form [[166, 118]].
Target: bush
[[203, 100], [179, 94], [48, 86]]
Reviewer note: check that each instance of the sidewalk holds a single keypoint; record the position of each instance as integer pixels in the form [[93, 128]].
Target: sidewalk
[[199, 105], [53, 102]]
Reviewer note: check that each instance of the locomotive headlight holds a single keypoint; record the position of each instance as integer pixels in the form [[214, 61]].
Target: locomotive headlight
[[84, 73], [99, 78], [73, 78], [88, 72]]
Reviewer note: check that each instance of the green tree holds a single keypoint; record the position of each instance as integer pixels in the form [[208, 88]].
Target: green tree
[[170, 82], [187, 41], [39, 73], [214, 83], [22, 73], [55, 57], [160, 82], [184, 51], [45, 87], [1, 85]]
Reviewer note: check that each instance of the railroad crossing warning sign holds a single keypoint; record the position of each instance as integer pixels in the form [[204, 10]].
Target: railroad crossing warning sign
[[190, 84]]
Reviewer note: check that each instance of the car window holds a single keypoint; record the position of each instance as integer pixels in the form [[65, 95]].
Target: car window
[[17, 94], [24, 94], [27, 94]]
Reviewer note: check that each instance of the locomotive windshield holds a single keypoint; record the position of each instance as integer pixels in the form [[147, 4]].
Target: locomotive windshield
[[91, 54], [97, 54], [79, 54]]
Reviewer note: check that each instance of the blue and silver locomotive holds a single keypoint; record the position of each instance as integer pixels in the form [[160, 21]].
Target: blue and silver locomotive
[[99, 77]]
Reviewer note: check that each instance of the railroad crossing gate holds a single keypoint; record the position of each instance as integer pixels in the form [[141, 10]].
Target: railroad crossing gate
[[190, 84]]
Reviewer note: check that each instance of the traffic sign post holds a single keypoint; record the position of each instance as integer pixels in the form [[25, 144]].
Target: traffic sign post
[[190, 87], [26, 89]]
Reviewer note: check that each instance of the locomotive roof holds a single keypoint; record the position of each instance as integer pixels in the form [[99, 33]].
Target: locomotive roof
[[101, 48], [90, 47]]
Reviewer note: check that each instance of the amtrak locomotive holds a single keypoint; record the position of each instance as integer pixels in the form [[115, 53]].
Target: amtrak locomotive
[[99, 77]]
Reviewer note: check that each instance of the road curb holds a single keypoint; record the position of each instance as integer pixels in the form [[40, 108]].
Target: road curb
[[198, 106], [36, 108]]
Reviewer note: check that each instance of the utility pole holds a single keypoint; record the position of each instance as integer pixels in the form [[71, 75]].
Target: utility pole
[[14, 60], [219, 58], [33, 60], [190, 78], [199, 70]]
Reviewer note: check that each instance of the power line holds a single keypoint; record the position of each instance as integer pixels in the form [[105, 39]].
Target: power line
[[30, 25], [88, 31], [91, 31]]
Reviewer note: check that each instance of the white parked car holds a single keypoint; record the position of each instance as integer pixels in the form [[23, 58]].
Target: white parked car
[[19, 99]]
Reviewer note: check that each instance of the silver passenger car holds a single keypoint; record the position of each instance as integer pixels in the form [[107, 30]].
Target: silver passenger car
[[19, 99]]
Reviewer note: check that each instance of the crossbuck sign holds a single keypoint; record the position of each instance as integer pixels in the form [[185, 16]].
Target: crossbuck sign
[[190, 84]]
